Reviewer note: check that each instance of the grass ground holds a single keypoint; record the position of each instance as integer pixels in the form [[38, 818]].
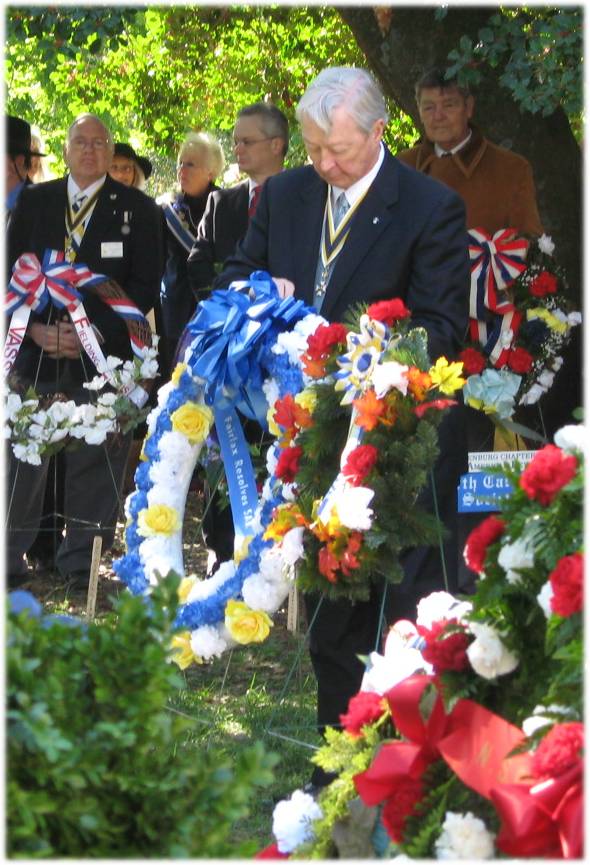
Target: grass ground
[[261, 693]]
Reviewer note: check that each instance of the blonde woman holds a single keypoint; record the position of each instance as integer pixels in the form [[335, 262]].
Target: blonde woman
[[200, 162]]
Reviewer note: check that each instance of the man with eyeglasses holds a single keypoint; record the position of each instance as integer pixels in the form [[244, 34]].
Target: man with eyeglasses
[[261, 139], [115, 231]]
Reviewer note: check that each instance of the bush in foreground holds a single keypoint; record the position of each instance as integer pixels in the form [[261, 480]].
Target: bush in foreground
[[97, 766]]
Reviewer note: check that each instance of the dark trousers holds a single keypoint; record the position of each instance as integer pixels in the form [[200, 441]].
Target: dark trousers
[[341, 630], [93, 476]]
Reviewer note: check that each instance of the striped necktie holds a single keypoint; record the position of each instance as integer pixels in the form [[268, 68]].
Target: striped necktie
[[254, 200], [78, 213]]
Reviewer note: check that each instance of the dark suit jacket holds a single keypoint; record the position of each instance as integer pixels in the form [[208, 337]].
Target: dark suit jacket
[[224, 222], [407, 239], [38, 223]]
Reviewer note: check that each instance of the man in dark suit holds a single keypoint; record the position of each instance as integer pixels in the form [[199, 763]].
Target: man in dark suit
[[261, 139], [115, 231], [404, 236]]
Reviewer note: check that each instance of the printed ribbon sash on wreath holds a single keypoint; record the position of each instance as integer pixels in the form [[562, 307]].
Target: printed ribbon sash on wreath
[[34, 285], [496, 261], [226, 336]]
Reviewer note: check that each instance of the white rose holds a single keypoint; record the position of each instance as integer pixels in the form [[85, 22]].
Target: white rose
[[464, 836], [488, 655], [292, 819]]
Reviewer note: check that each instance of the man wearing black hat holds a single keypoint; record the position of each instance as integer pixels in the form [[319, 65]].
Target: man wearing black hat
[[18, 159], [129, 168]]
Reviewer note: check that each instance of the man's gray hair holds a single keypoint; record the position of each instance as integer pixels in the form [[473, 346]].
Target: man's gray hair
[[354, 88]]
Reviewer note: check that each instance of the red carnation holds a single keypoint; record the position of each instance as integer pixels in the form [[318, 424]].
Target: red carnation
[[519, 360], [400, 806], [364, 708], [288, 464], [560, 750], [474, 361], [567, 582], [445, 649], [388, 311], [359, 463], [548, 471], [544, 283], [479, 540], [322, 341]]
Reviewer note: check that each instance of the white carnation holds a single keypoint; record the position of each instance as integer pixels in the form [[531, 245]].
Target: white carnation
[[207, 642], [487, 654], [388, 375], [544, 599], [175, 448], [571, 438], [270, 388], [512, 557], [440, 605], [266, 595], [546, 379], [352, 508], [464, 836], [574, 318], [546, 245], [291, 548], [292, 821], [557, 363]]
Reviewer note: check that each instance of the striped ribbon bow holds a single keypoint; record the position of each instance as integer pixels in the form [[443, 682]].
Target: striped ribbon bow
[[496, 261], [53, 281]]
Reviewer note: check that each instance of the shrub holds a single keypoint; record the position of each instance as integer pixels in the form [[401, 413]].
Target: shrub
[[97, 766]]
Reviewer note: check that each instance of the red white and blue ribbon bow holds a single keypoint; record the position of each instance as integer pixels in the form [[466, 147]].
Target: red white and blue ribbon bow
[[496, 261], [33, 285]]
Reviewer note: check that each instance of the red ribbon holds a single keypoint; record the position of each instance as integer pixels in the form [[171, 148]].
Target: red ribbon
[[542, 819], [471, 740], [271, 852]]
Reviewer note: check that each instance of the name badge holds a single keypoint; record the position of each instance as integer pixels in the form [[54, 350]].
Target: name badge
[[112, 249]]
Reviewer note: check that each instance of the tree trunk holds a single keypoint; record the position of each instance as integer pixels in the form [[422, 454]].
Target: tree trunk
[[409, 41]]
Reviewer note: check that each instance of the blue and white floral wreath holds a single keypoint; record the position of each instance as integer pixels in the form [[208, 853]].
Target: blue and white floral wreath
[[244, 353]]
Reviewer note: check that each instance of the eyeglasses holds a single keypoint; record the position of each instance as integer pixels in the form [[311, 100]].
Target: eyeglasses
[[90, 143], [249, 142]]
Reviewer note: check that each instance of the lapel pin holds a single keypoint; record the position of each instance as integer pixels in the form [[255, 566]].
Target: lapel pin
[[113, 196], [375, 220]]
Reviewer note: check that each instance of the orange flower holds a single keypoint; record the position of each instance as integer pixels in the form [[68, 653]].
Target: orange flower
[[315, 368], [285, 518], [370, 410], [418, 383], [292, 416], [328, 564]]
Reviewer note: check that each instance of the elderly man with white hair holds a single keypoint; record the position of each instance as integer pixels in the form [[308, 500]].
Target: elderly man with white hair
[[356, 225]]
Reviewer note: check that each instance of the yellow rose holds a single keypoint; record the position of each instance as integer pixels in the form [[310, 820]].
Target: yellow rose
[[193, 420], [307, 399], [447, 376], [185, 588], [183, 654], [178, 370], [158, 520], [246, 625]]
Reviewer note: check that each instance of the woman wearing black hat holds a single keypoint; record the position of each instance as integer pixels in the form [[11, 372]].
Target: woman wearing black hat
[[129, 168]]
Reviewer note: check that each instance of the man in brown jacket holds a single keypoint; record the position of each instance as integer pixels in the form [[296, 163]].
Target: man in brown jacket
[[495, 184]]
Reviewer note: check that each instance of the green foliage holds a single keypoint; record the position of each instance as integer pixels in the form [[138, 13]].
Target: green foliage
[[537, 53], [97, 767]]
